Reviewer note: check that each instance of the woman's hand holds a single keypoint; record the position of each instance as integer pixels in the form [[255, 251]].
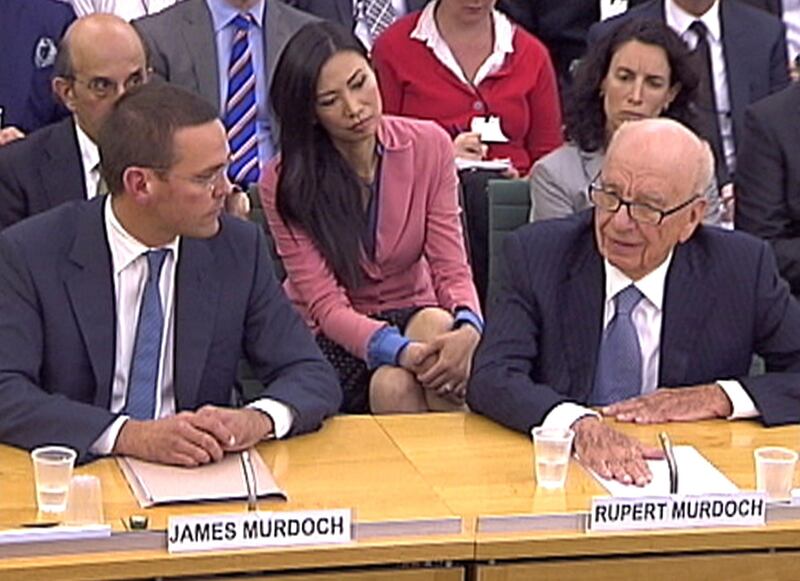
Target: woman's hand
[[468, 146], [450, 372]]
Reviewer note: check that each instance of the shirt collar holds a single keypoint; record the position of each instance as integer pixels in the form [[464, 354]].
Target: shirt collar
[[679, 20], [222, 13], [650, 285], [124, 247], [427, 32], [90, 155]]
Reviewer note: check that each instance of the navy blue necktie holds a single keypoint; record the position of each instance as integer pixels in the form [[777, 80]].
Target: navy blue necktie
[[619, 362], [241, 108], [142, 382]]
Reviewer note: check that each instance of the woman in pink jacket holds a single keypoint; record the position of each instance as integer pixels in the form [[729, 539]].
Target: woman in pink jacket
[[364, 212]]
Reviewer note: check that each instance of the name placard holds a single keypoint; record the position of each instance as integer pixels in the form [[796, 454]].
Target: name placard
[[708, 510], [257, 529]]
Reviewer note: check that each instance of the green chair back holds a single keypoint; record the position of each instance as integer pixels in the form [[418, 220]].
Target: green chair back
[[509, 208]]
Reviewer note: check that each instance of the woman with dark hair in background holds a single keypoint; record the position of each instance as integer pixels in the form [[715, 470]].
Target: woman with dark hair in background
[[640, 70], [364, 211]]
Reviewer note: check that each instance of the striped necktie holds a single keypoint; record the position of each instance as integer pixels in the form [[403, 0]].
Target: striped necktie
[[240, 107], [140, 403], [379, 15]]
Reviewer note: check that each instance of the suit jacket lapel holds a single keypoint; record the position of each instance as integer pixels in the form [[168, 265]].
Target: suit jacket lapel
[[688, 298], [394, 204], [90, 289], [583, 290], [734, 41], [197, 30], [196, 302], [62, 168]]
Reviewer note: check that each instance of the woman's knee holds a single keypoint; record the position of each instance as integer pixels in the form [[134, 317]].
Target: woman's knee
[[395, 390], [429, 323]]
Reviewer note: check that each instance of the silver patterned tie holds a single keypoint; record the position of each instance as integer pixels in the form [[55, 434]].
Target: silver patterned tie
[[379, 15], [619, 362]]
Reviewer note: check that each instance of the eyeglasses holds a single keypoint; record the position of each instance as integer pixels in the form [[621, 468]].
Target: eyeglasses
[[209, 182], [103, 87], [609, 200]]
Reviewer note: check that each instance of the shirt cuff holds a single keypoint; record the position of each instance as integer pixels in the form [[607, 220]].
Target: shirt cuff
[[741, 402], [281, 415], [384, 347], [565, 414], [104, 445], [467, 317]]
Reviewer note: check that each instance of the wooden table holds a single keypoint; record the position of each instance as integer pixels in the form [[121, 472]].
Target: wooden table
[[351, 462], [435, 467], [481, 469]]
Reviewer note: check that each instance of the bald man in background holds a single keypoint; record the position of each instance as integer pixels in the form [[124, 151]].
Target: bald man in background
[[101, 57], [639, 311]]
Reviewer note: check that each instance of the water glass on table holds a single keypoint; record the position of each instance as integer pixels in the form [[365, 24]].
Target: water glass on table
[[52, 471], [552, 448], [775, 471]]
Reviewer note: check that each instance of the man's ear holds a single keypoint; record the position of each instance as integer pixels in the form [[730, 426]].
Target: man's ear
[[65, 91], [138, 184], [697, 212]]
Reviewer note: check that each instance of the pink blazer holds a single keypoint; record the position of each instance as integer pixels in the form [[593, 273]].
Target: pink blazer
[[420, 259]]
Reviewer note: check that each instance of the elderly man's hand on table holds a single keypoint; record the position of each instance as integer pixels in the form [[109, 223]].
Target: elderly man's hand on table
[[684, 404], [612, 454]]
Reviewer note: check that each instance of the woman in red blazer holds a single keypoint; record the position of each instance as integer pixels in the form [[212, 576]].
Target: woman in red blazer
[[364, 211]]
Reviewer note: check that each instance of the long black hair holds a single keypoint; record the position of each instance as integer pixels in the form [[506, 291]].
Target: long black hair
[[584, 115], [317, 189]]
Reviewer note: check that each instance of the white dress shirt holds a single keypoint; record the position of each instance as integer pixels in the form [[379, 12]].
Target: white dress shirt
[[679, 20], [427, 32], [129, 267], [127, 9], [90, 158], [362, 30], [647, 318], [791, 18]]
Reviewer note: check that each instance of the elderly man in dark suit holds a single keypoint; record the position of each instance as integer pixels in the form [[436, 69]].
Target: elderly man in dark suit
[[226, 51], [29, 35], [100, 58], [124, 317], [768, 179], [747, 60], [638, 310]]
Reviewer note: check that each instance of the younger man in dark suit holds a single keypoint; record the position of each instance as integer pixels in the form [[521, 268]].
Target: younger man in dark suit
[[637, 309], [123, 318]]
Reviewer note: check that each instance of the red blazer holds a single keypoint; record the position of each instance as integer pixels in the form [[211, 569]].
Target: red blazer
[[420, 259], [523, 93]]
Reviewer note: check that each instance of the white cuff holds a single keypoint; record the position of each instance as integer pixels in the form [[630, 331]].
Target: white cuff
[[281, 415], [741, 403], [565, 414], [104, 445]]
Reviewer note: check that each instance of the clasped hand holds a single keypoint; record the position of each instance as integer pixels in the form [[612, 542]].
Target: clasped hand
[[193, 438], [444, 363]]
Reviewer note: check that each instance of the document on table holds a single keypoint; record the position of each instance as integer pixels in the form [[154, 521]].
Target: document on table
[[224, 480], [696, 475]]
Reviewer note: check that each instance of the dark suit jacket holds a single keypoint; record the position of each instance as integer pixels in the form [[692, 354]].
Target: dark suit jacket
[[560, 24], [768, 178], [183, 51], [341, 11], [30, 30], [57, 328], [723, 301], [40, 172], [754, 44], [772, 6]]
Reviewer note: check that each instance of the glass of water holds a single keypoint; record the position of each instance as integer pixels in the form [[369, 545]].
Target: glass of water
[[552, 448], [52, 470]]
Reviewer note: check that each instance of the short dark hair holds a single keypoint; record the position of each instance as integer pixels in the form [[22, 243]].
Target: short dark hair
[[317, 189], [139, 130], [584, 114]]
